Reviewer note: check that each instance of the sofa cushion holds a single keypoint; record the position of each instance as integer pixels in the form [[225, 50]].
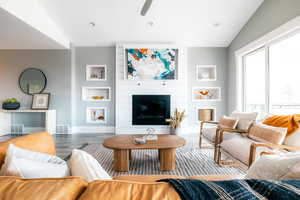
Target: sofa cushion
[[41, 189], [278, 166], [269, 134], [39, 142], [245, 119], [128, 190], [146, 178], [239, 148], [86, 166], [293, 139], [210, 134], [228, 122]]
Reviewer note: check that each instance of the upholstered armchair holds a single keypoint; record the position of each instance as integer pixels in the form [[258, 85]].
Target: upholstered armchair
[[209, 129], [247, 146]]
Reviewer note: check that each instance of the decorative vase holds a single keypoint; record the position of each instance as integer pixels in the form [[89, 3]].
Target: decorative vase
[[176, 131]]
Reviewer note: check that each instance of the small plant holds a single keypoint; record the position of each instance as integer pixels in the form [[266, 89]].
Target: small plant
[[176, 120], [12, 100]]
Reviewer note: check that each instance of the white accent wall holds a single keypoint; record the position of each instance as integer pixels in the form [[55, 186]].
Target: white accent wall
[[177, 89]]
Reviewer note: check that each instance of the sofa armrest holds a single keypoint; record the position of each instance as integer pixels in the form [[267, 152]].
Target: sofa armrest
[[254, 146]]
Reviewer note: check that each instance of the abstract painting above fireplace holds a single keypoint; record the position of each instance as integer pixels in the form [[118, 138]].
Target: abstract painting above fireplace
[[150, 109], [151, 64]]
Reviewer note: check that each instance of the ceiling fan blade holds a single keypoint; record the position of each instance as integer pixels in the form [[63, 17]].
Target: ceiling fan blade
[[146, 7]]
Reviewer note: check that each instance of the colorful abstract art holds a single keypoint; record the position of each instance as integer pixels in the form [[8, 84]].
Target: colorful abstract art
[[151, 64]]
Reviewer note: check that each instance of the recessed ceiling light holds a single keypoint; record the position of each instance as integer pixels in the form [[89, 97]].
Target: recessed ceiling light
[[92, 24], [216, 24], [150, 23]]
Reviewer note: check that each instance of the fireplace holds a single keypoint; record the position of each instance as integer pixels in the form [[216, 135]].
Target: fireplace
[[150, 109]]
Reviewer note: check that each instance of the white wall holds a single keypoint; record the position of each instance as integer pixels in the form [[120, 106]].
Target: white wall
[[126, 88]]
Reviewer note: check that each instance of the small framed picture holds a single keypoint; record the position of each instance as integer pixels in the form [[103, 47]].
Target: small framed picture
[[40, 101]]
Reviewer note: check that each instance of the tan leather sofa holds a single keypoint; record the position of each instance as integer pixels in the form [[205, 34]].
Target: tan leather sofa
[[128, 187]]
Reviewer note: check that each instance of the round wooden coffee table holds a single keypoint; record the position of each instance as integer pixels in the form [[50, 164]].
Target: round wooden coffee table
[[124, 144]]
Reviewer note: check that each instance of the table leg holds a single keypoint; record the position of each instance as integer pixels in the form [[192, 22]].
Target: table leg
[[167, 158], [121, 160], [130, 154]]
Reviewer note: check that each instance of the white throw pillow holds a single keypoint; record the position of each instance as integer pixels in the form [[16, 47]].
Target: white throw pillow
[[245, 119], [28, 164], [274, 166], [86, 166]]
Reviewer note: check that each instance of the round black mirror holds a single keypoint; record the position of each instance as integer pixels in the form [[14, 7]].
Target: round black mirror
[[32, 81]]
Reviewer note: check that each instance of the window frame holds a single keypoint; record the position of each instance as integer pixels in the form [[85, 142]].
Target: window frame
[[284, 32]]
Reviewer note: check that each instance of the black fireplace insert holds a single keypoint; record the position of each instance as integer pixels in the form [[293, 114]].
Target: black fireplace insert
[[150, 109]]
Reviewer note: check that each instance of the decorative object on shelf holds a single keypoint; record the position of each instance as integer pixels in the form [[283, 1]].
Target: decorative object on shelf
[[11, 104], [206, 94], [206, 72], [151, 64], [32, 81], [97, 97], [206, 113], [96, 93], [96, 72], [40, 101], [96, 115], [175, 122]]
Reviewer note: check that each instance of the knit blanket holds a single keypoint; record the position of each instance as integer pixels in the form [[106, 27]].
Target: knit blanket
[[236, 189], [291, 122]]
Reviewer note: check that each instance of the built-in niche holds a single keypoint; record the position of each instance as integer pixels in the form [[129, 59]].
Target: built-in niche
[[206, 94], [96, 115], [96, 73], [206, 72], [96, 93]]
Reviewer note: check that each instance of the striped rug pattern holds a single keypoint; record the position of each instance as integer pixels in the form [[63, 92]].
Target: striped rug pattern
[[189, 162]]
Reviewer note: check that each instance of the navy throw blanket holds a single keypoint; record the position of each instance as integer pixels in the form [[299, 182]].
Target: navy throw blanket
[[236, 189]]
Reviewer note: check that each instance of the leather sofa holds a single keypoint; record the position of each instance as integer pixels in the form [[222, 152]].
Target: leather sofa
[[133, 187]]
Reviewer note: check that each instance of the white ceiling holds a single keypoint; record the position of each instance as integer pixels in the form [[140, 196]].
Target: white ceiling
[[16, 34], [185, 22]]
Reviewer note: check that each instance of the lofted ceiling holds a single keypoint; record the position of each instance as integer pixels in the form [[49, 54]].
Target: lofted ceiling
[[53, 24], [16, 34], [185, 22]]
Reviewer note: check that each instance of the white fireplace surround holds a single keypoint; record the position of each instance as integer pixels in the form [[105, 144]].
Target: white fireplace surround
[[177, 89]]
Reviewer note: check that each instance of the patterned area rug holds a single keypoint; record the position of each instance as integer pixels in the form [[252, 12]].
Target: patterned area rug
[[189, 162]]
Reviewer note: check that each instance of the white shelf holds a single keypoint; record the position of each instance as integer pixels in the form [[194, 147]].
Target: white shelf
[[213, 94], [96, 94], [206, 73], [96, 72], [96, 115]]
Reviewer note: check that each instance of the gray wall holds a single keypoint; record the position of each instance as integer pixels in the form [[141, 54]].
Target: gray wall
[[207, 56], [89, 56], [270, 15], [56, 66]]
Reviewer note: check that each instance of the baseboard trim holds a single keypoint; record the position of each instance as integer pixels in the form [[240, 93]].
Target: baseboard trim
[[92, 129]]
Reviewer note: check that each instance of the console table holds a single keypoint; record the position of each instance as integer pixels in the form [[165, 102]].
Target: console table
[[6, 120]]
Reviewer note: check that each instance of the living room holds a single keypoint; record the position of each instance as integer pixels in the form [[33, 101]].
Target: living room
[[149, 98]]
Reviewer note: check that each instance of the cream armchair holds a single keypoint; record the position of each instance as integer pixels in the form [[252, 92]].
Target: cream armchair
[[247, 146], [209, 133]]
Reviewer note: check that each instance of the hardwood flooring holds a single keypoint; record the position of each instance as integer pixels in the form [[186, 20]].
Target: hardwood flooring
[[66, 143]]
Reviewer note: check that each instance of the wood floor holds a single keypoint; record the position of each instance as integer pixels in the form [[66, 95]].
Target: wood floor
[[66, 143]]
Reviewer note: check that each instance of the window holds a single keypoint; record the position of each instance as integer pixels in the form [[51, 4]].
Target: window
[[271, 77], [284, 62], [254, 82]]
